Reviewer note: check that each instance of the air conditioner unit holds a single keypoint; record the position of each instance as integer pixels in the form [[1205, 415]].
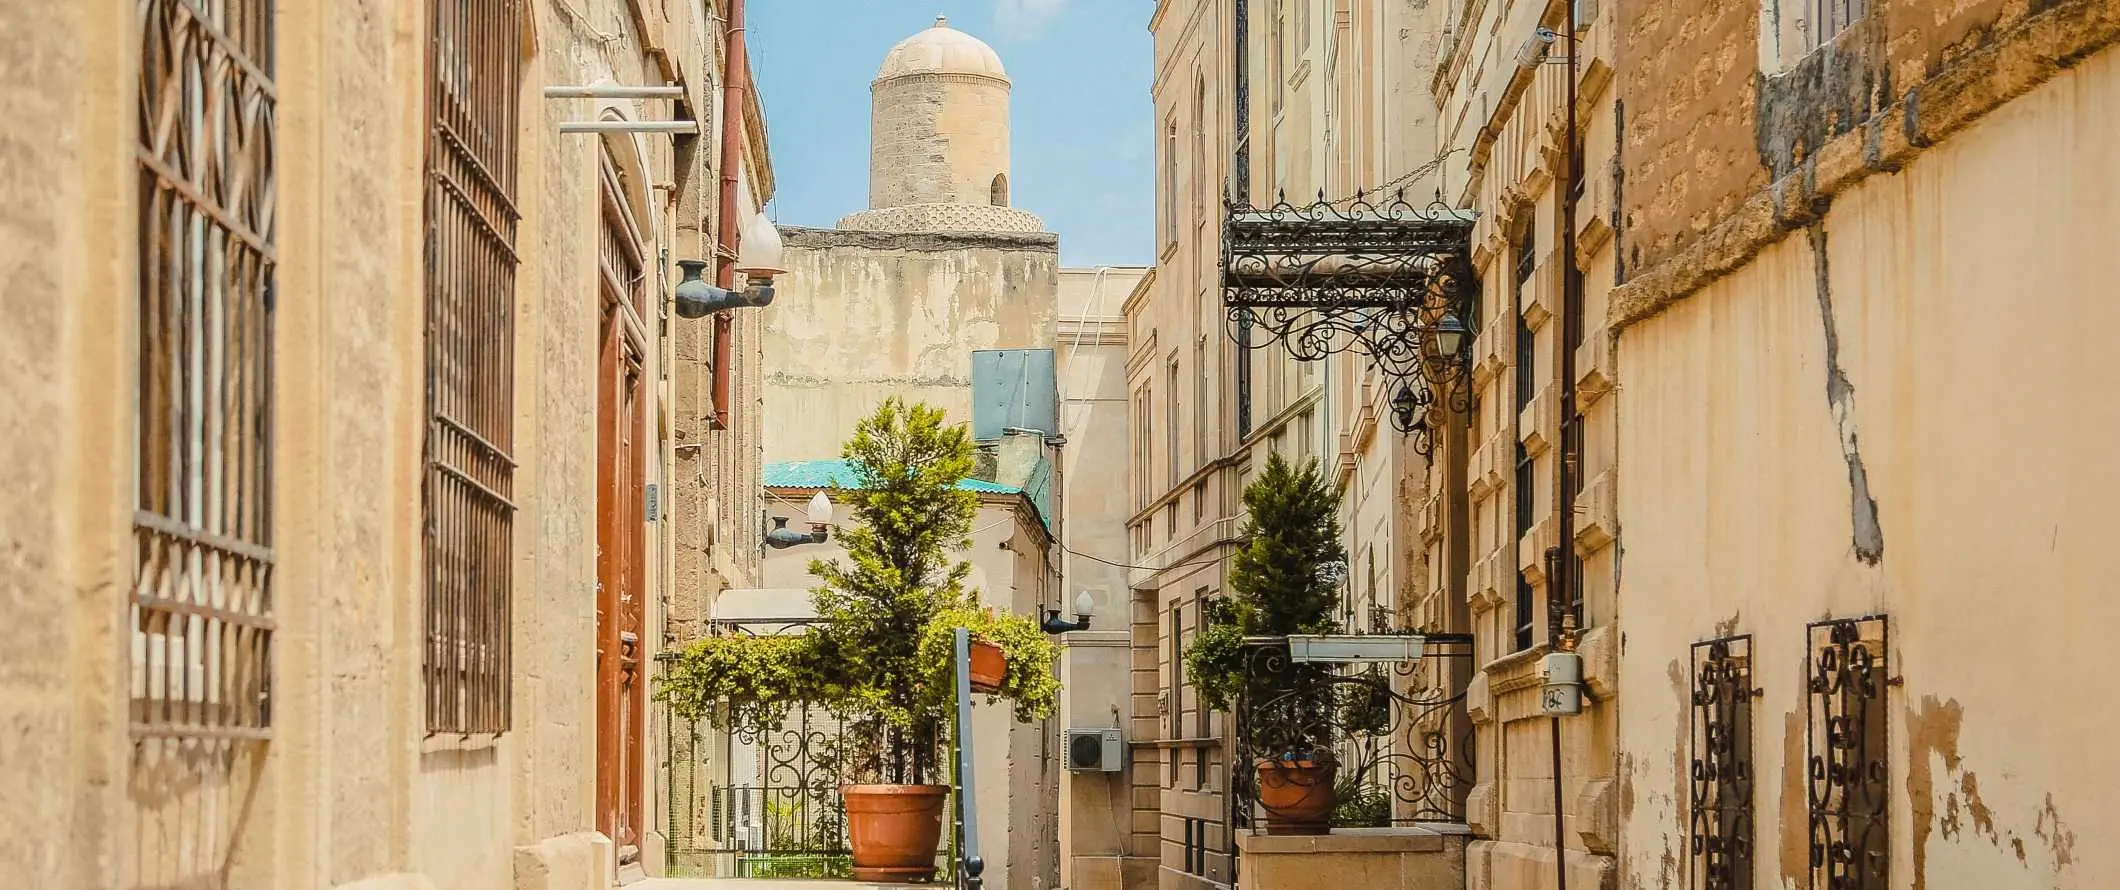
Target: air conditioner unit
[[1095, 751]]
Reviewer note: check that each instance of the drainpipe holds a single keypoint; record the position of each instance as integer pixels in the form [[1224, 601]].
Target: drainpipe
[[735, 82], [1567, 583]]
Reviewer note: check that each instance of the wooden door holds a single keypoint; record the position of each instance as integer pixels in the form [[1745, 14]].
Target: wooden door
[[621, 538]]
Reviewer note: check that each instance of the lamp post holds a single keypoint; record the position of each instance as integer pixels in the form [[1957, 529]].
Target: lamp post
[[759, 258], [819, 515]]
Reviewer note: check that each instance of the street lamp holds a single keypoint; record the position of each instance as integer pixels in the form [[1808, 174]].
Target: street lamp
[[1084, 605], [819, 515], [759, 256], [1449, 336]]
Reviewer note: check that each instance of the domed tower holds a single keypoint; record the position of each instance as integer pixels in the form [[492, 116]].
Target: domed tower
[[939, 139]]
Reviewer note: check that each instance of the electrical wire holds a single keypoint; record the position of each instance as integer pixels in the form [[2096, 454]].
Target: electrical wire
[[1431, 166]]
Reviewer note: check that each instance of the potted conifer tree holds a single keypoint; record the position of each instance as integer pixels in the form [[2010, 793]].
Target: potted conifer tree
[[880, 650], [1281, 584]]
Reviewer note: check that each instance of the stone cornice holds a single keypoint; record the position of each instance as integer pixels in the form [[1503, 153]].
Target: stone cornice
[[2030, 54], [799, 237]]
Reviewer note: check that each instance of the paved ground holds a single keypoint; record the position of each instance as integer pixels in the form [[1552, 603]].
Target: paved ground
[[751, 884]]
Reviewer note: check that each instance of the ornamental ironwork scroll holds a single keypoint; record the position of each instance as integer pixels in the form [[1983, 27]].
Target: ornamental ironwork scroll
[[1722, 829], [1389, 280], [1401, 749], [1850, 771]]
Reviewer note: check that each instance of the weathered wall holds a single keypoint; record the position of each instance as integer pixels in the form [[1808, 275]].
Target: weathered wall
[[349, 789], [937, 139], [1090, 355], [1732, 133], [862, 316], [66, 171], [1937, 336]]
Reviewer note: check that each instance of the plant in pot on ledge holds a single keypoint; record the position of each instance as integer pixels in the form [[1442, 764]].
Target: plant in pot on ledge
[[882, 649], [1281, 583]]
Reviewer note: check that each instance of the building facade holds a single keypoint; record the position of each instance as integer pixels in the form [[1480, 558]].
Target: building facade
[[1735, 251], [1301, 99], [339, 436], [1859, 424]]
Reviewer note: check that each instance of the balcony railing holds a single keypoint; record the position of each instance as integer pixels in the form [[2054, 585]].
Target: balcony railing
[[764, 802]]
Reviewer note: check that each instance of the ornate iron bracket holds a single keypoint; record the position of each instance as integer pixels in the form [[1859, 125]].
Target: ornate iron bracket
[[1390, 280]]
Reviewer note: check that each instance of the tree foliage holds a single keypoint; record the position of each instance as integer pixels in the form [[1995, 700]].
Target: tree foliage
[[1278, 582], [881, 609]]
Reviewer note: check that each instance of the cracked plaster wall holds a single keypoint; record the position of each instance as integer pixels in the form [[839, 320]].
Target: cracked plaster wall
[[866, 315], [1966, 294]]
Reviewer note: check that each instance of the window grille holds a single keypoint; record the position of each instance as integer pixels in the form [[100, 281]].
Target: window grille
[[1525, 384], [1830, 17], [1850, 767], [201, 612], [474, 77], [1720, 839]]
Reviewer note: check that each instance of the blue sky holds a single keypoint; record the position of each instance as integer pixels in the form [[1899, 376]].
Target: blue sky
[[1083, 141]]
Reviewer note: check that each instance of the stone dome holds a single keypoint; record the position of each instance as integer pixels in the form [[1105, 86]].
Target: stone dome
[[941, 50]]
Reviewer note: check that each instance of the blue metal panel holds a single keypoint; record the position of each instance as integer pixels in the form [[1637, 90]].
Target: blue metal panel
[[1014, 388]]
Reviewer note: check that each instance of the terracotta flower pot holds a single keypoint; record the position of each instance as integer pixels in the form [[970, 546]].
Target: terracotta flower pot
[[1296, 795], [894, 830], [988, 666]]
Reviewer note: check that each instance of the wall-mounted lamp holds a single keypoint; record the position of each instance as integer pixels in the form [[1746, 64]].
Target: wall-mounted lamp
[[1449, 336], [819, 515], [1535, 47], [759, 258], [1084, 605]]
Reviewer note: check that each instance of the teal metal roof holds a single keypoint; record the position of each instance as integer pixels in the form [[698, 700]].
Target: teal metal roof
[[839, 474]]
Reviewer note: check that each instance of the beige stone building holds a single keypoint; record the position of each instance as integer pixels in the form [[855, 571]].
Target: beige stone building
[[1861, 429], [1335, 101], [343, 385], [900, 295]]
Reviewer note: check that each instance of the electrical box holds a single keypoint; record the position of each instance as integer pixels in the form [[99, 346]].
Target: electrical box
[[1562, 695], [1014, 389], [1095, 751]]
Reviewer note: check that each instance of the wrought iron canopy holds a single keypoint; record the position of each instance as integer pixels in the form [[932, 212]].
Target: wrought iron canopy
[[1391, 280]]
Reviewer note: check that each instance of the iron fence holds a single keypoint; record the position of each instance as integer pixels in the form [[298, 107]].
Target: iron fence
[[764, 803], [1395, 734]]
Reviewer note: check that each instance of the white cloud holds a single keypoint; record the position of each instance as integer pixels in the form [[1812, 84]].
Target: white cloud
[[1025, 19]]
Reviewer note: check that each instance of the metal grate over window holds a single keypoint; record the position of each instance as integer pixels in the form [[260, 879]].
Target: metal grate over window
[[200, 648], [202, 607], [1721, 833], [1830, 17], [1850, 767], [474, 78]]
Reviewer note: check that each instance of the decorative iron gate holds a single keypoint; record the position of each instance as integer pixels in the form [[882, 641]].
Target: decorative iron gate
[[757, 803], [1400, 736]]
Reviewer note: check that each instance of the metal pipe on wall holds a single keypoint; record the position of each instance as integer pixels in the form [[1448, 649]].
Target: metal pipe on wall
[[735, 81], [1566, 584]]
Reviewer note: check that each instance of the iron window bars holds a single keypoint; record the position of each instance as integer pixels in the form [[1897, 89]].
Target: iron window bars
[[1379, 278], [1849, 768], [1721, 837], [202, 604], [199, 658], [474, 69]]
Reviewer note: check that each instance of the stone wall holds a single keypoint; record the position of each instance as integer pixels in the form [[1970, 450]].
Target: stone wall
[[65, 270], [1732, 136], [937, 139], [866, 315], [350, 790]]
